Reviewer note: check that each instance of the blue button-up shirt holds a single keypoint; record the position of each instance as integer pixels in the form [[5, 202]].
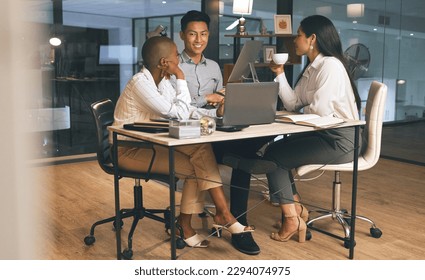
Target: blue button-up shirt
[[202, 78]]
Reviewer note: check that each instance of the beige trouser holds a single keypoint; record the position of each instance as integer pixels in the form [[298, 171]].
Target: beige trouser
[[195, 161]]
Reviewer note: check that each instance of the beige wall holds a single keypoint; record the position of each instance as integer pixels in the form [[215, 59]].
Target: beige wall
[[18, 190]]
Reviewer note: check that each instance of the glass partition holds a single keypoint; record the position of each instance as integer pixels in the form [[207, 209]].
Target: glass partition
[[387, 39]]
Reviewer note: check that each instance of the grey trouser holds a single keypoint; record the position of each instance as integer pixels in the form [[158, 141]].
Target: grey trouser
[[322, 147]]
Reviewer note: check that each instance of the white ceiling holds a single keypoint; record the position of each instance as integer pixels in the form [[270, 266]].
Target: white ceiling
[[149, 8], [413, 11]]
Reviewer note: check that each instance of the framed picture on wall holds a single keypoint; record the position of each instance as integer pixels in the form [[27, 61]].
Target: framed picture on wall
[[282, 24], [268, 52]]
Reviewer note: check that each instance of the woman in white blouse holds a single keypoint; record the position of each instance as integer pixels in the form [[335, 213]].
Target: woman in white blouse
[[324, 87], [149, 94]]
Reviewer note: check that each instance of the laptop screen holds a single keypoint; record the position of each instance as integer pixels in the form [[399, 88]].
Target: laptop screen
[[249, 54], [250, 103]]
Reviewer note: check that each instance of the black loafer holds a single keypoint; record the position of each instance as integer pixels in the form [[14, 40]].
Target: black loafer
[[245, 243]]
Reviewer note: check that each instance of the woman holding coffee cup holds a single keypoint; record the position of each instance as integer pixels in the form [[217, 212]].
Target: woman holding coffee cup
[[324, 87]]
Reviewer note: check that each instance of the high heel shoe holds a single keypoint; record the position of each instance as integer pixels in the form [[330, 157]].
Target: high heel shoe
[[302, 230], [303, 215], [235, 228], [195, 241]]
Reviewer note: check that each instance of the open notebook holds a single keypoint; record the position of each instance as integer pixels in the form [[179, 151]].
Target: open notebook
[[310, 120]]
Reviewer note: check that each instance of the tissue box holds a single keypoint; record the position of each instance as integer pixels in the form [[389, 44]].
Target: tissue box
[[185, 129]]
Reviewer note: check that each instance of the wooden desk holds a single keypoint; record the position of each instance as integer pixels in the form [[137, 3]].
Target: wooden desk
[[273, 129]]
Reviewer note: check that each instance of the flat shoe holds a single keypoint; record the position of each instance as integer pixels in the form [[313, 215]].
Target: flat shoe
[[245, 243]]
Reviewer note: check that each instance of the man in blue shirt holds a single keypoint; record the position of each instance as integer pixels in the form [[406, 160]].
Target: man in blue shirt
[[205, 81], [203, 75]]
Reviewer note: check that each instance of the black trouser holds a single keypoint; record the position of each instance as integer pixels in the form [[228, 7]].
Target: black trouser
[[240, 180]]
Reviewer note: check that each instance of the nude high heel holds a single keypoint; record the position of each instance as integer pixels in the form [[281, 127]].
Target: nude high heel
[[302, 230], [303, 214]]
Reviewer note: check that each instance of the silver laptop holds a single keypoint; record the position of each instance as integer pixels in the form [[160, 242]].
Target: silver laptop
[[249, 54], [247, 104]]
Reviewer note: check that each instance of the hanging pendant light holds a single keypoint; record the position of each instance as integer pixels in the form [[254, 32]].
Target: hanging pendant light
[[55, 41], [57, 22]]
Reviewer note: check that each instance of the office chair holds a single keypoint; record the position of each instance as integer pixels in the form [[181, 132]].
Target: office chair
[[368, 157], [103, 113]]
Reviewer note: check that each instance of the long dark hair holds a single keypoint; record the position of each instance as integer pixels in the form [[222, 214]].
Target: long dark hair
[[328, 43]]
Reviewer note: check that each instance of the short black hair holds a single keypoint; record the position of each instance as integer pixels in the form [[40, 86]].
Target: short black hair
[[194, 15], [154, 49]]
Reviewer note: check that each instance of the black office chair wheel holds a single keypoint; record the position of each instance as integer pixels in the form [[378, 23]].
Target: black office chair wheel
[[180, 244], [89, 239], [127, 254], [121, 224], [347, 243], [375, 232], [308, 235]]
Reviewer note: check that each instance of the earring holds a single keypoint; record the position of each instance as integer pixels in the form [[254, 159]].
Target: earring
[[311, 47]]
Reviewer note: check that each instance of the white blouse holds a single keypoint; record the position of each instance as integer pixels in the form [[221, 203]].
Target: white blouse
[[142, 100], [324, 89]]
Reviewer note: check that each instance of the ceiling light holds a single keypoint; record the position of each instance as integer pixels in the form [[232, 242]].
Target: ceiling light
[[324, 10], [55, 41], [355, 10]]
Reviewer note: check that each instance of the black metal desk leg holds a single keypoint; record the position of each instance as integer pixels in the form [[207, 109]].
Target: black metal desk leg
[[354, 191], [172, 202], [117, 196]]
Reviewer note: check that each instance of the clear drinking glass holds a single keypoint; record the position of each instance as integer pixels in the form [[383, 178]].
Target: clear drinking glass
[[207, 125]]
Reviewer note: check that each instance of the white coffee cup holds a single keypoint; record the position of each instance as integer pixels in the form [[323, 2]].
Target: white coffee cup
[[280, 58]]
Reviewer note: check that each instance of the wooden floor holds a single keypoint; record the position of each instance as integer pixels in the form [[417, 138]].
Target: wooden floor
[[77, 194]]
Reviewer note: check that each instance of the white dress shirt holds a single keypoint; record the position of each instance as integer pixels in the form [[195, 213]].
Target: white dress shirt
[[142, 100], [324, 89]]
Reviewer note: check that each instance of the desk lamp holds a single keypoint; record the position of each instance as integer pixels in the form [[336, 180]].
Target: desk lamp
[[242, 7]]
